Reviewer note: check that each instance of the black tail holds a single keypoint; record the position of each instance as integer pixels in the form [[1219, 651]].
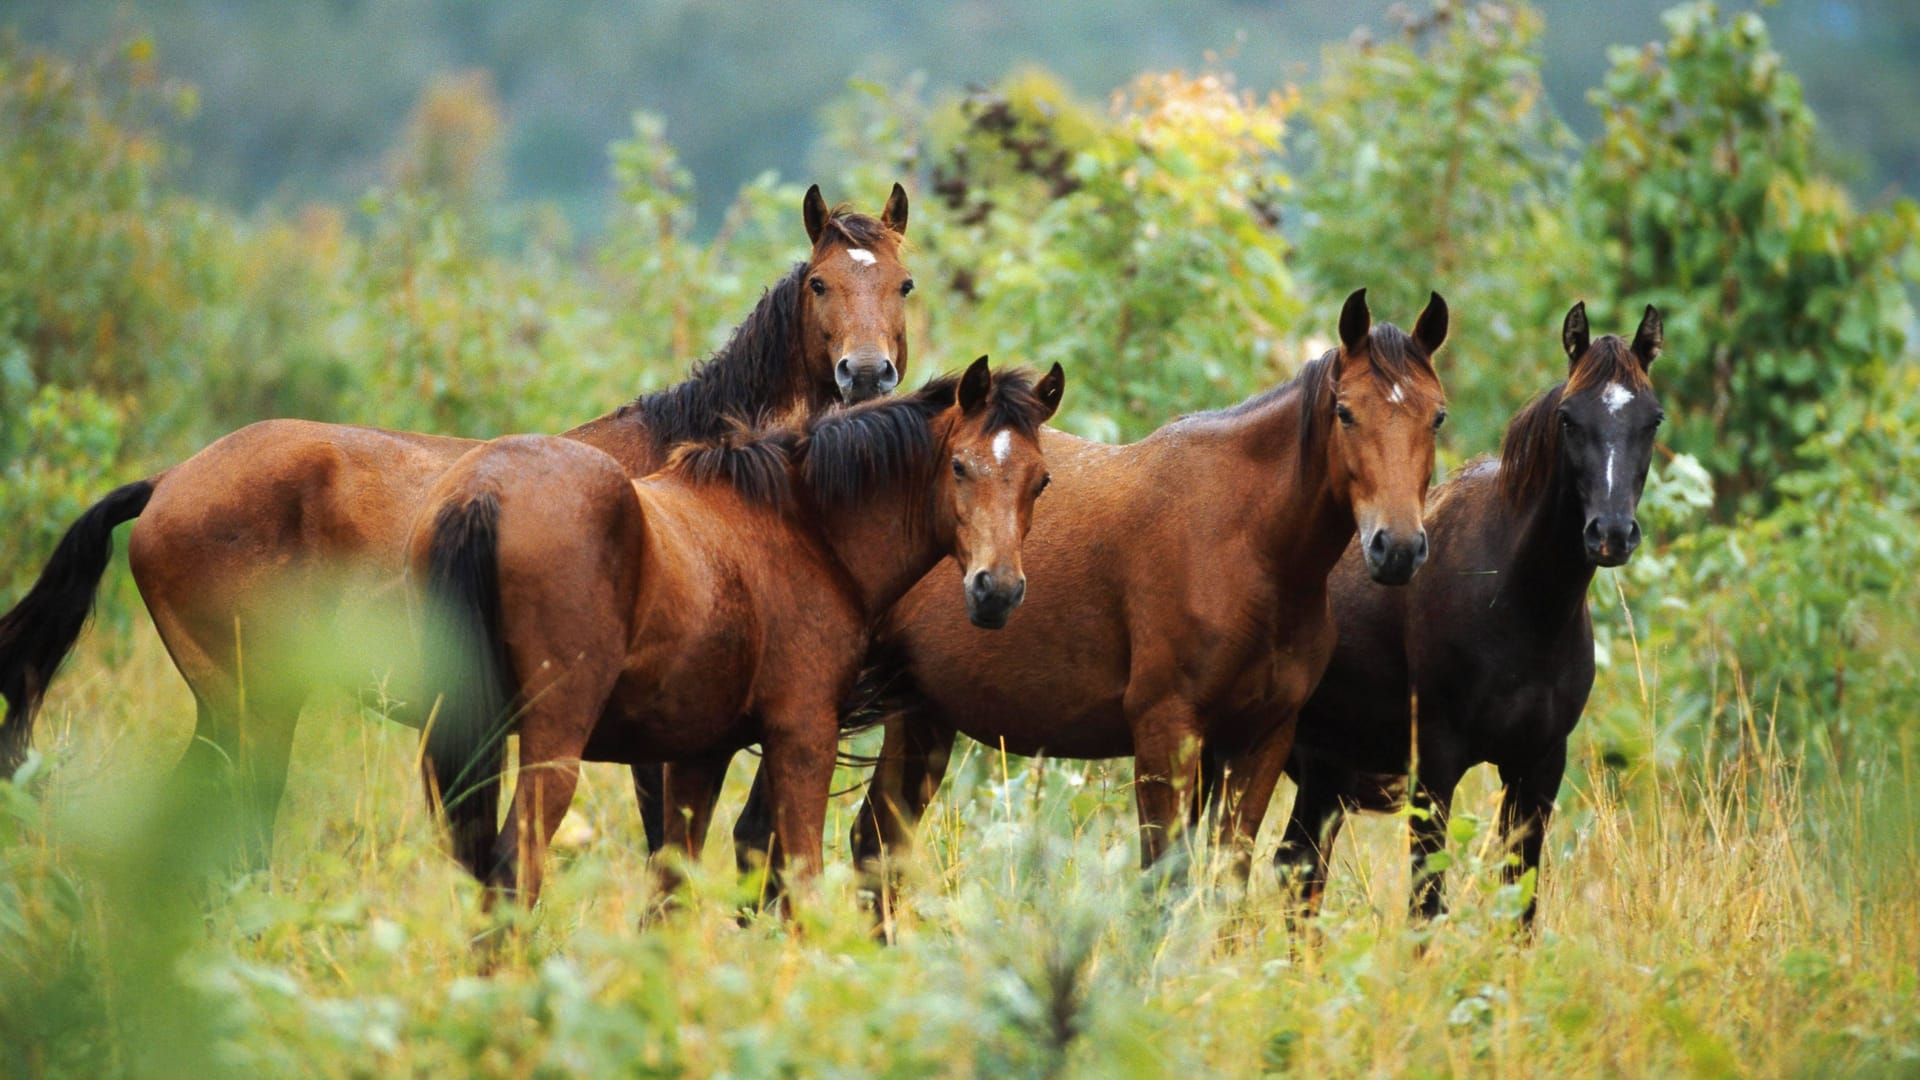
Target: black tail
[[467, 734], [39, 632]]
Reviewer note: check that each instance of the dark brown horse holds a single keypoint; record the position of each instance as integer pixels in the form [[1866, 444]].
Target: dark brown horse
[[292, 516], [1493, 645], [726, 601], [1180, 591]]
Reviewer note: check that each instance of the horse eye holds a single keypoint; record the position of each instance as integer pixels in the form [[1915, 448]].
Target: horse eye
[[1345, 414], [1566, 421], [1439, 418], [906, 287], [1045, 482], [818, 286], [959, 468], [1659, 418]]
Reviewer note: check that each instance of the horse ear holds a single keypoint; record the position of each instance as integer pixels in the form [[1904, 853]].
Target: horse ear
[[1574, 335], [974, 386], [1355, 320], [1649, 338], [894, 216], [814, 209], [1049, 389], [1430, 329]]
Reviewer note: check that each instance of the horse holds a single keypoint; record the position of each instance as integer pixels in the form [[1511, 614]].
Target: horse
[[1182, 597], [727, 600], [1489, 656], [295, 516]]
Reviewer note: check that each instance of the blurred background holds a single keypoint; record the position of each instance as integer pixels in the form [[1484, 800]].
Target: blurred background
[[300, 100]]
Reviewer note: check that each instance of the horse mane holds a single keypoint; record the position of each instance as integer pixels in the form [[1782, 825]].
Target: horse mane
[[856, 229], [754, 460], [1530, 453], [847, 454], [755, 367], [855, 451]]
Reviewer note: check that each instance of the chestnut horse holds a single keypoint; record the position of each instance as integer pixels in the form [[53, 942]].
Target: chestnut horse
[[725, 601], [1494, 644], [293, 516], [1181, 597]]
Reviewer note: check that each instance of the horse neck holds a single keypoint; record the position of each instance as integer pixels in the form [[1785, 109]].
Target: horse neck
[[1545, 548], [1303, 525], [885, 542]]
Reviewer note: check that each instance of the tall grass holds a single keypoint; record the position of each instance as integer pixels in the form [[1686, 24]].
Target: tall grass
[[1732, 922]]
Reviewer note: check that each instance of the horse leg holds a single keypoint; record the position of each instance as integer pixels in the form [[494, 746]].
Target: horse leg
[[798, 764], [649, 790], [1166, 761], [913, 762], [688, 796], [1432, 801], [542, 793], [1306, 848], [1526, 807], [753, 831], [243, 756], [1246, 792]]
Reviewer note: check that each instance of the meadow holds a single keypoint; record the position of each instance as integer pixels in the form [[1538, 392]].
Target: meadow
[[1730, 886]]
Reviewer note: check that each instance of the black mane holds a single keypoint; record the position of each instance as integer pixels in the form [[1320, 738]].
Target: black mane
[[851, 453], [750, 373]]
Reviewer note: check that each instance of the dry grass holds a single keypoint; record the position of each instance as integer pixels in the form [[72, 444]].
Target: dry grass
[[1741, 922]]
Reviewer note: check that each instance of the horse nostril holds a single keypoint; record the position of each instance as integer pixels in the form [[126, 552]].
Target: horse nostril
[[1592, 531], [1633, 534], [889, 376], [844, 369], [1420, 545], [982, 584], [1377, 544]]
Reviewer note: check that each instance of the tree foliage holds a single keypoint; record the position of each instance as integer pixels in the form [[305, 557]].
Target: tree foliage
[[1704, 194]]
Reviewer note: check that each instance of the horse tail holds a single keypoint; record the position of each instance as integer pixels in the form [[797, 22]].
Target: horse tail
[[41, 629], [465, 663]]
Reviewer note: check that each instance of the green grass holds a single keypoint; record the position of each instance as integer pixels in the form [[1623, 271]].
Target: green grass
[[1746, 922]]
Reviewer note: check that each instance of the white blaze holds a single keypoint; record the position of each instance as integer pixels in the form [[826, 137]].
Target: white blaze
[[1395, 395], [1609, 470], [1002, 445], [861, 256], [1616, 397]]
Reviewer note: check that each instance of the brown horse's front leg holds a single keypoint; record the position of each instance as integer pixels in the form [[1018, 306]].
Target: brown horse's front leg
[[690, 790], [798, 766], [1247, 792], [542, 793], [1166, 763], [913, 761]]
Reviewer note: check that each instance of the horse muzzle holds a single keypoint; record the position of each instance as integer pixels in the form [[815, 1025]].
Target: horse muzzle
[[1393, 559], [1611, 541], [865, 374], [991, 599]]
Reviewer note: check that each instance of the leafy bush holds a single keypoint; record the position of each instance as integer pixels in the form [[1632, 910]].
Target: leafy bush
[[1435, 163], [1704, 195]]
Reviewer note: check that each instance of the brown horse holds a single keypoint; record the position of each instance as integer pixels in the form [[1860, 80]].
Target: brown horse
[[1493, 644], [726, 601], [1181, 597], [293, 516]]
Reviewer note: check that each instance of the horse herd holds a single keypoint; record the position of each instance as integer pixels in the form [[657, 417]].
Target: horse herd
[[754, 556]]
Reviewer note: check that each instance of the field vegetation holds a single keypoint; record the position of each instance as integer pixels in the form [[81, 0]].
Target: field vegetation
[[1732, 884]]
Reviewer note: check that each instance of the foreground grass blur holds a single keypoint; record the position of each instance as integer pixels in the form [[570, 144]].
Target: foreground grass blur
[[1747, 921]]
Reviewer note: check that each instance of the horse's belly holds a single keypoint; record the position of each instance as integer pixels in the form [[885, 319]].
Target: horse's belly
[[660, 715]]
